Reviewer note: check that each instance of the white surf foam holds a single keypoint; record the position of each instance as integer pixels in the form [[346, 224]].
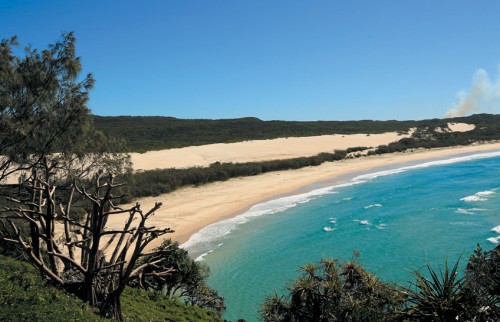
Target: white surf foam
[[223, 228], [485, 193], [377, 205], [471, 157], [494, 240], [479, 196], [202, 256], [327, 229], [464, 211], [473, 198], [496, 229], [362, 221]]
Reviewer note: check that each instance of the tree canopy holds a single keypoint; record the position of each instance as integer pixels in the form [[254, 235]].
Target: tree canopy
[[331, 291], [43, 109]]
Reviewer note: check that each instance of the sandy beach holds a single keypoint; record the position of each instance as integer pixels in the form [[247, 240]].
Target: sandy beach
[[189, 209]]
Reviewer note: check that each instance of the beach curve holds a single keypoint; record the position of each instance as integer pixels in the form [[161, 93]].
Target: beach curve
[[190, 209]]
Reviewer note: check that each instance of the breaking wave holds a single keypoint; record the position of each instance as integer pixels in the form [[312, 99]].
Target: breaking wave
[[479, 196]]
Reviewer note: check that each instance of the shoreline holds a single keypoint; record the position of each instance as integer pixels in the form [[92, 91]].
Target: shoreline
[[190, 209]]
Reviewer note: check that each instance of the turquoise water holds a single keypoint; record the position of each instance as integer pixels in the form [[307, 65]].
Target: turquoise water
[[398, 219]]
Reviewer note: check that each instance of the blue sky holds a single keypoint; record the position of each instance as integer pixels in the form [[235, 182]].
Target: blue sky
[[290, 60]]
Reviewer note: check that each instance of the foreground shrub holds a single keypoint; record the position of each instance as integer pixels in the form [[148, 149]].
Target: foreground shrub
[[330, 291], [186, 279], [482, 285], [438, 298]]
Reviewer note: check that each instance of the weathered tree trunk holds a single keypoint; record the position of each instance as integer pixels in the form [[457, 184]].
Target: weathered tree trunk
[[112, 307], [98, 280]]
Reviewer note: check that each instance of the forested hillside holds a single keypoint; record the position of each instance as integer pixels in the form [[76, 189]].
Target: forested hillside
[[145, 133]]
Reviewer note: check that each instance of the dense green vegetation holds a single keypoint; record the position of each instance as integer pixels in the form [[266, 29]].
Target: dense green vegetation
[[155, 182], [24, 296], [331, 291], [142, 133], [487, 129]]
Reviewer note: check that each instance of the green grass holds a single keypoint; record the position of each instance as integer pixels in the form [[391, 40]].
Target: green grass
[[141, 305], [24, 296]]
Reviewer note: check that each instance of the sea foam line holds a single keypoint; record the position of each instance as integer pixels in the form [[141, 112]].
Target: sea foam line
[[463, 211], [376, 205], [479, 196], [222, 228], [471, 157], [494, 240]]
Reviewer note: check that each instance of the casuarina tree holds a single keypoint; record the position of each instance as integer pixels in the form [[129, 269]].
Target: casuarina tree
[[57, 212]]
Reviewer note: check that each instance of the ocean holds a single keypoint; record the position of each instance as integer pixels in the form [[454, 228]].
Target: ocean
[[399, 219]]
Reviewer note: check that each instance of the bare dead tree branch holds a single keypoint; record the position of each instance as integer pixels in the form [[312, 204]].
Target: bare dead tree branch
[[100, 276]]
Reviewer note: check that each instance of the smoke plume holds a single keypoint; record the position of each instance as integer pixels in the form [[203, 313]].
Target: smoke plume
[[483, 96]]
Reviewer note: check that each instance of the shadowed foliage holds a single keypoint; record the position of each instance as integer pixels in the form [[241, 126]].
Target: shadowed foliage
[[482, 285], [438, 298], [330, 291], [186, 280]]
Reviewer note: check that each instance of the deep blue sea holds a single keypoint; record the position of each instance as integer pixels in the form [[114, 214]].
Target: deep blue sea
[[399, 219]]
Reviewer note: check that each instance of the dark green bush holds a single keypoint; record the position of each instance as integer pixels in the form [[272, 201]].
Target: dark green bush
[[155, 182]]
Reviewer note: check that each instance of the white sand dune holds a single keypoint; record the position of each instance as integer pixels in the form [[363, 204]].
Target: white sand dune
[[257, 150], [461, 127]]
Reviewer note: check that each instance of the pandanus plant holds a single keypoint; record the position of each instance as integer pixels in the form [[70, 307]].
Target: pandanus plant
[[437, 298]]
